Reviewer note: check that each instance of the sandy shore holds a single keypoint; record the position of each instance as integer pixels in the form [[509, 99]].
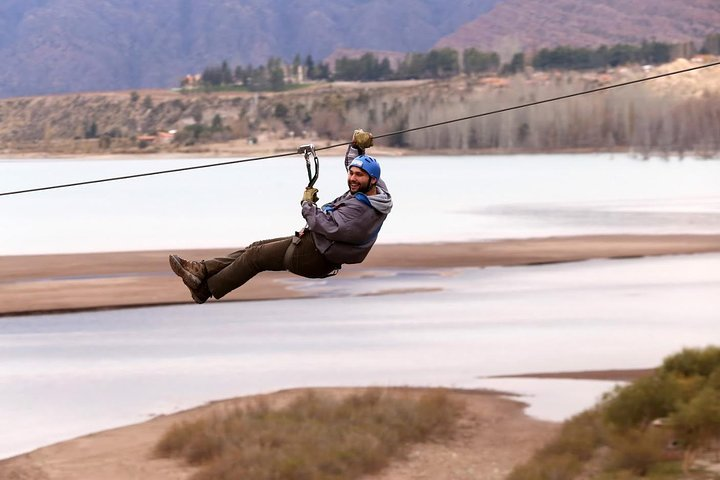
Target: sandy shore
[[493, 437], [479, 450], [54, 283]]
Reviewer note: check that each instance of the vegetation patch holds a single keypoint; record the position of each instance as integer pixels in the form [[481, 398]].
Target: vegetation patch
[[655, 428], [315, 437]]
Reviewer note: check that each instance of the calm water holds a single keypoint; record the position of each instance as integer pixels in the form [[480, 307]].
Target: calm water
[[67, 375], [436, 199]]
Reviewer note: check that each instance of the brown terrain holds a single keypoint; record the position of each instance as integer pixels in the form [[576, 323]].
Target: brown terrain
[[515, 25], [478, 450], [51, 283], [267, 123]]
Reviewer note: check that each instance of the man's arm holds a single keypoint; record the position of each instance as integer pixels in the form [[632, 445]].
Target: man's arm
[[360, 141], [352, 153], [344, 224]]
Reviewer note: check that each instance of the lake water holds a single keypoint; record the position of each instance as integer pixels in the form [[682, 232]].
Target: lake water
[[72, 374], [68, 375], [436, 199]]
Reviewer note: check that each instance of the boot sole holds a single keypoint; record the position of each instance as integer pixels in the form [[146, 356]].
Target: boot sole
[[189, 279], [198, 299]]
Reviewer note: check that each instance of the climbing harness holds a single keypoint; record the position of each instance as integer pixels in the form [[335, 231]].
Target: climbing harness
[[291, 248], [307, 150]]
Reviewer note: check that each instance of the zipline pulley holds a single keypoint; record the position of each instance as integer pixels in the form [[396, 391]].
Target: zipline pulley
[[308, 150]]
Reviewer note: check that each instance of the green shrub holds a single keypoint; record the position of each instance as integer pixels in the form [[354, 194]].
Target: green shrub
[[579, 436], [637, 450], [618, 437], [638, 404], [693, 361]]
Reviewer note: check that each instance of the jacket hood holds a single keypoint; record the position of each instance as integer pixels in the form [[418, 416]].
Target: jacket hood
[[381, 201]]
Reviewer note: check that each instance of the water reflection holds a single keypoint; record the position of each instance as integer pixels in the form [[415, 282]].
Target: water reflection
[[66, 375], [436, 199]]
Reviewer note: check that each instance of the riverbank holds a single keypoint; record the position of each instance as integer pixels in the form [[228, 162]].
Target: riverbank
[[280, 146], [58, 283], [476, 451]]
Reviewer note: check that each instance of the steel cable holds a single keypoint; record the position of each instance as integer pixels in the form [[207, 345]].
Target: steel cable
[[390, 134]]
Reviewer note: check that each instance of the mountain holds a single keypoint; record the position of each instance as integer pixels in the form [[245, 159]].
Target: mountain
[[59, 46], [51, 46], [515, 25]]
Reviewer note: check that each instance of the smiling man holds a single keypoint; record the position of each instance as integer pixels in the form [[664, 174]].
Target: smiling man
[[338, 232]]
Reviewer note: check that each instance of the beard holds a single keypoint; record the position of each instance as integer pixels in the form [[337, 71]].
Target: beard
[[361, 187]]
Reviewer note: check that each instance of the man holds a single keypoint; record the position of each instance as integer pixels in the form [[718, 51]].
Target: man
[[342, 231]]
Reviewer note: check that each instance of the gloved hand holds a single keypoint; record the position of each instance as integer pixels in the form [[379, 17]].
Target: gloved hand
[[310, 195], [362, 139]]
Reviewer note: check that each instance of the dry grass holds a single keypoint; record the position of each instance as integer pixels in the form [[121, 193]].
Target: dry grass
[[314, 438]]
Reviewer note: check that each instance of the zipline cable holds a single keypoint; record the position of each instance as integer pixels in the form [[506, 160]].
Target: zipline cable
[[399, 132]]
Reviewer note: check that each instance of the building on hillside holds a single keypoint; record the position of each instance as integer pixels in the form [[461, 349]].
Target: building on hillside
[[191, 80], [160, 138]]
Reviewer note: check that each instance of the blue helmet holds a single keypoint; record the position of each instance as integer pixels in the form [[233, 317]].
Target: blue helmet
[[367, 163]]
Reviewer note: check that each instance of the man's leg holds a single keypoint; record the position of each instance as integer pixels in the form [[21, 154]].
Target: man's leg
[[195, 273], [224, 274], [258, 257], [215, 265]]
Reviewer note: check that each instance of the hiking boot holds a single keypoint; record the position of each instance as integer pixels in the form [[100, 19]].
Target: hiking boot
[[192, 273], [201, 294]]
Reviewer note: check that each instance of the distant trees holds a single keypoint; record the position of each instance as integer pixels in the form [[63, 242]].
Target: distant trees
[[517, 63], [219, 75], [276, 75], [273, 76], [711, 44], [265, 77], [573, 58], [365, 68], [440, 63], [475, 61]]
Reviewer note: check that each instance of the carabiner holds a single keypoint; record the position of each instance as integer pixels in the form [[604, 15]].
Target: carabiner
[[306, 150]]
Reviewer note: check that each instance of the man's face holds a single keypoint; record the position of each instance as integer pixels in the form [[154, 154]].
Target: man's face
[[358, 180]]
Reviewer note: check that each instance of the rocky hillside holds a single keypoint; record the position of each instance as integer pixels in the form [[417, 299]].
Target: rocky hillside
[[515, 25], [677, 114]]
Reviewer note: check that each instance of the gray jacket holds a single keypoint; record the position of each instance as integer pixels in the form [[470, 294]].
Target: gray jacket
[[345, 229]]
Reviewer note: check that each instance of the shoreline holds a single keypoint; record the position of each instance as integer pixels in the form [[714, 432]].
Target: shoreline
[[287, 146], [37, 284], [126, 452], [628, 375], [123, 452]]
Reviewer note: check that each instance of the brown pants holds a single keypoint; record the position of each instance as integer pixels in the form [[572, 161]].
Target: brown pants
[[225, 274]]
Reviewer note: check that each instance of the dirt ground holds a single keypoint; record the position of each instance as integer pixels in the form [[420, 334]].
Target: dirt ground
[[493, 436], [51, 283]]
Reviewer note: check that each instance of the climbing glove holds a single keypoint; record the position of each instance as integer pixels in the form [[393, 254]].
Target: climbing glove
[[362, 139], [310, 195]]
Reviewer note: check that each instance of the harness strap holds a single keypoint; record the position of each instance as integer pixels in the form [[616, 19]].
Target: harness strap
[[290, 250]]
